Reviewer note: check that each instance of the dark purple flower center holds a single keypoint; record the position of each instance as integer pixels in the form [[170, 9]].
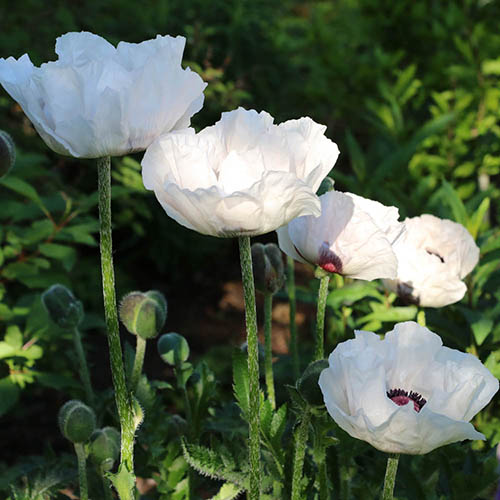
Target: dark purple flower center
[[402, 397], [329, 260]]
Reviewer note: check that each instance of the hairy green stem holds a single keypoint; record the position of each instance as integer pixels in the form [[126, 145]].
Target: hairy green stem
[[253, 366], [140, 350], [83, 367], [290, 285], [390, 476], [323, 476], [122, 395], [320, 317], [268, 320], [301, 435], [82, 471]]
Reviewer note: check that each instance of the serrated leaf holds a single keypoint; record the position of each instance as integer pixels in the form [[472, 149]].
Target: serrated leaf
[[279, 422], [266, 416], [228, 491], [240, 381], [124, 483]]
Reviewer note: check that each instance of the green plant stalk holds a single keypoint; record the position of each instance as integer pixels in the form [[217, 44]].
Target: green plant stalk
[[83, 367], [290, 285], [320, 317], [253, 366], [323, 476], [82, 471], [106, 486], [140, 350], [122, 395], [300, 452], [390, 476], [268, 320]]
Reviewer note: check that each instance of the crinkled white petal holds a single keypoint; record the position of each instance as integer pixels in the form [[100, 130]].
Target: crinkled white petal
[[360, 239], [434, 255], [233, 178], [98, 100], [361, 372]]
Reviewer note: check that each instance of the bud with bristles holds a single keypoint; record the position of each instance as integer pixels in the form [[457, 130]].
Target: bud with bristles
[[63, 308], [268, 268], [76, 421], [104, 447], [173, 349]]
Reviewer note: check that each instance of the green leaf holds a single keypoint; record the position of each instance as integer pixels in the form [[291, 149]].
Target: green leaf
[[358, 163], [455, 203], [124, 483], [66, 254], [23, 188], [478, 217], [393, 314], [240, 381], [228, 491], [351, 293], [9, 394]]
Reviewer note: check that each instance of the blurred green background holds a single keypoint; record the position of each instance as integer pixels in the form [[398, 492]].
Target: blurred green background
[[409, 90]]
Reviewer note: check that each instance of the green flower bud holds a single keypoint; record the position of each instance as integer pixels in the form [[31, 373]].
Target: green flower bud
[[76, 421], [143, 314], [173, 349], [64, 309], [326, 185], [104, 447], [268, 268], [7, 153], [308, 386]]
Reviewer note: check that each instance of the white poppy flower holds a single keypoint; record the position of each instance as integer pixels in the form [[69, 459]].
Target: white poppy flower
[[353, 237], [97, 100], [406, 393], [434, 255], [242, 176]]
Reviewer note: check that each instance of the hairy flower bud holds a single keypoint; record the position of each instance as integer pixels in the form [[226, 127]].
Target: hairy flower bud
[[144, 314], [63, 308], [76, 421], [268, 268], [307, 385], [7, 153], [104, 447], [173, 349]]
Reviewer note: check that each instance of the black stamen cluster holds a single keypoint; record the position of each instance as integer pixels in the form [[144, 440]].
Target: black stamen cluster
[[414, 396]]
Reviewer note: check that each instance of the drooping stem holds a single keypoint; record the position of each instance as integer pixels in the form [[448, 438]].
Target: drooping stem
[[140, 350], [320, 317], [390, 476], [108, 287], [82, 471], [253, 365], [290, 285], [268, 313], [83, 367], [301, 435]]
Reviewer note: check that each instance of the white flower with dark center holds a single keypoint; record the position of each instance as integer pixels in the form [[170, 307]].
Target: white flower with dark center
[[353, 237], [434, 256], [97, 100], [242, 176], [406, 393]]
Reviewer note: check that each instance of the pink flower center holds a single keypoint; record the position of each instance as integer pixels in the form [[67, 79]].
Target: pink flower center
[[329, 260], [402, 397]]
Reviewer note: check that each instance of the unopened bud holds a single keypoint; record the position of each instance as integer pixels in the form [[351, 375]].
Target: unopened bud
[[326, 185], [268, 268], [64, 309], [7, 153], [308, 386], [76, 421], [143, 314], [104, 447], [173, 349]]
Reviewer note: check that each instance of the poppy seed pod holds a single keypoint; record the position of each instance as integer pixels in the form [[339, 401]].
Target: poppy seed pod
[[64, 309], [173, 349], [7, 153], [105, 447], [268, 268], [143, 314], [76, 421], [307, 385]]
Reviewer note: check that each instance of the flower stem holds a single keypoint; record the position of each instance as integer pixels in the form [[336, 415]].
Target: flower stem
[[290, 284], [300, 452], [253, 365], [108, 286], [83, 368], [140, 349], [320, 317], [268, 313], [390, 476], [82, 471], [323, 476], [421, 317]]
